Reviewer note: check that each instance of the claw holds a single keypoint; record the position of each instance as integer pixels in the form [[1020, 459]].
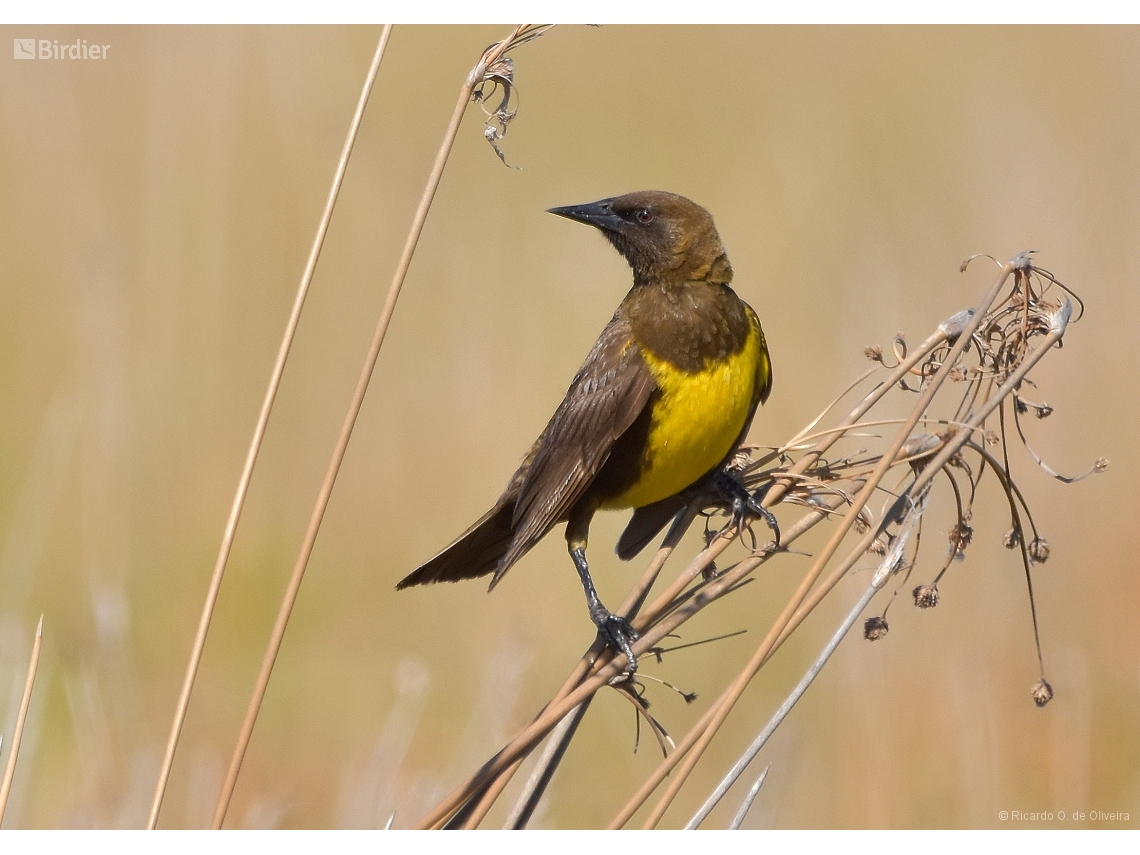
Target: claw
[[745, 503], [619, 635]]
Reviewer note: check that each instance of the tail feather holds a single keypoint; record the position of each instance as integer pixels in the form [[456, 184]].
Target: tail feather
[[476, 552], [647, 522]]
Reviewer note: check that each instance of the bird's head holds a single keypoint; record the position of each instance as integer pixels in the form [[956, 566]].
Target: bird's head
[[663, 236]]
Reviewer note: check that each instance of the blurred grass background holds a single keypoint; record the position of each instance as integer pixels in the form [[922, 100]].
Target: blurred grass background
[[158, 207]]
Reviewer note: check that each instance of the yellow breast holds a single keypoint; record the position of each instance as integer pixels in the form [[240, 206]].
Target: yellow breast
[[694, 423]]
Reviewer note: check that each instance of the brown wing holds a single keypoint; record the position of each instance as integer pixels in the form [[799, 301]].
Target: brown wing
[[610, 391]]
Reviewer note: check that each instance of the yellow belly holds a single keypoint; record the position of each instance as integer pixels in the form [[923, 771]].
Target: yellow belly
[[695, 422]]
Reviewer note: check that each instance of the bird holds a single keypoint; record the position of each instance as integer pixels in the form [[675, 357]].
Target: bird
[[660, 405]]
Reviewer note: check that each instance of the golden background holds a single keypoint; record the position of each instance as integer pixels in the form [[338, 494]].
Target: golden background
[[158, 209]]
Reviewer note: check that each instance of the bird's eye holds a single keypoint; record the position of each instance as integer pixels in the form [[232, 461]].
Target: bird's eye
[[644, 216]]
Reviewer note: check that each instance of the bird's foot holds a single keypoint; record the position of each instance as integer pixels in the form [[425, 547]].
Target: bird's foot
[[745, 503], [618, 634]]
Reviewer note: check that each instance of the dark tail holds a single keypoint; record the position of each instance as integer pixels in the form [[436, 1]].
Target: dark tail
[[646, 523], [475, 553]]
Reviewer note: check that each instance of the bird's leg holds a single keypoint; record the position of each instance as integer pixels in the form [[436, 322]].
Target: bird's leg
[[616, 630], [744, 503]]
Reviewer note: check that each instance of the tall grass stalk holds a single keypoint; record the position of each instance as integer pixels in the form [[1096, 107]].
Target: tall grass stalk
[[246, 476], [478, 73], [21, 717]]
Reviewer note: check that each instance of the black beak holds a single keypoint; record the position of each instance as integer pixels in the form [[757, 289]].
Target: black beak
[[598, 214]]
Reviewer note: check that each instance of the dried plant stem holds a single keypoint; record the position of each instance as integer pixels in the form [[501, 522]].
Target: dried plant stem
[[554, 752], [21, 717], [686, 765], [959, 439], [259, 434], [490, 795], [544, 770], [730, 578], [341, 446], [746, 805], [889, 563]]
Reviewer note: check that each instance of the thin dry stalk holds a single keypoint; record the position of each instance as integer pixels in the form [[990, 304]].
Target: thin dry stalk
[[258, 435], [746, 805], [830, 489], [544, 770], [889, 565], [732, 578], [484, 779], [556, 748], [490, 795], [21, 717], [478, 74]]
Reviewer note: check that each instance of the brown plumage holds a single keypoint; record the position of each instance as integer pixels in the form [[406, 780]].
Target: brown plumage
[[662, 400]]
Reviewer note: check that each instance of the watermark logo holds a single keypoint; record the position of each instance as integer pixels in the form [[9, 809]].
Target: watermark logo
[[52, 49], [1064, 816]]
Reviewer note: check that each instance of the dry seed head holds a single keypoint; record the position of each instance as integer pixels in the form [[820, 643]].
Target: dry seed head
[[874, 353], [958, 462], [1042, 692], [875, 628], [1012, 538], [960, 537], [958, 373], [990, 437], [880, 544], [862, 521], [926, 596], [1038, 550], [1101, 464], [1043, 411]]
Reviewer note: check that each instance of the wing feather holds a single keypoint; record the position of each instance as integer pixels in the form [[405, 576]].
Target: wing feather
[[609, 392]]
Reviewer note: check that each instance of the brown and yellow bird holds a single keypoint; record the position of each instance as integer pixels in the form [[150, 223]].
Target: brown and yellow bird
[[663, 399]]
